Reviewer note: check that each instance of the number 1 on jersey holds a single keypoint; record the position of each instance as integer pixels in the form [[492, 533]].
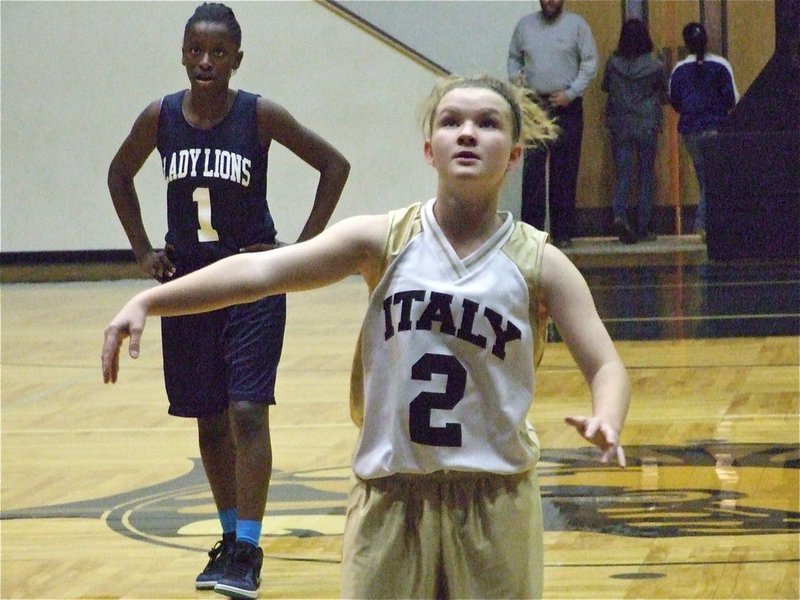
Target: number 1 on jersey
[[206, 232]]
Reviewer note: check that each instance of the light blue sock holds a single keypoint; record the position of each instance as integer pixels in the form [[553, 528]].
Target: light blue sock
[[227, 518], [248, 531]]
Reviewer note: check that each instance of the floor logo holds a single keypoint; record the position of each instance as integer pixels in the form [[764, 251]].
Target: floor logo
[[652, 497]]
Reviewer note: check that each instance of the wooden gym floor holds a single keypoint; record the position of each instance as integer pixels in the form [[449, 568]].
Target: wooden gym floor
[[103, 495]]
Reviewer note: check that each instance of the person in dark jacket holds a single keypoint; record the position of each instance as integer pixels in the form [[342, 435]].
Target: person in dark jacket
[[636, 84], [702, 90]]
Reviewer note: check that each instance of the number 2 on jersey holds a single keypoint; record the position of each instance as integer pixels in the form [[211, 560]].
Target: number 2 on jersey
[[422, 432], [206, 232]]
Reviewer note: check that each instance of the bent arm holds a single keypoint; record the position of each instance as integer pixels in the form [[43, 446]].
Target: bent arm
[[588, 65], [275, 122], [570, 303], [127, 162]]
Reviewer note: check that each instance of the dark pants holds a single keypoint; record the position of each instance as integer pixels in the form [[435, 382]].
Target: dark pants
[[625, 147], [694, 146], [565, 157]]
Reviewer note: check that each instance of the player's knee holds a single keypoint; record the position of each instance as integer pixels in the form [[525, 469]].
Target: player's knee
[[213, 431], [249, 419]]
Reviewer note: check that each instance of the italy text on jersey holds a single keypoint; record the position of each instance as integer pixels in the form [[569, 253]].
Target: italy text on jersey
[[438, 308], [207, 162]]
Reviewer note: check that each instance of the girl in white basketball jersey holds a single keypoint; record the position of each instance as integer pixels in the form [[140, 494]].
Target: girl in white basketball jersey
[[445, 501]]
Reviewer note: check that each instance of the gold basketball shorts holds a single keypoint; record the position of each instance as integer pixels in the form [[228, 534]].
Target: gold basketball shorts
[[444, 535]]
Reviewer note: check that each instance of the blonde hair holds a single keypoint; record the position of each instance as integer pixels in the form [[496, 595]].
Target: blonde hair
[[531, 125]]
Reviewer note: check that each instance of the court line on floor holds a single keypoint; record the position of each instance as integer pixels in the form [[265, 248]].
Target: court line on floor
[[702, 318], [277, 427], [690, 284], [191, 429], [676, 563]]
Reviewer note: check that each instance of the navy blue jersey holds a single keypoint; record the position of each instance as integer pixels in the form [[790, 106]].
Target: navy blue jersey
[[216, 182]]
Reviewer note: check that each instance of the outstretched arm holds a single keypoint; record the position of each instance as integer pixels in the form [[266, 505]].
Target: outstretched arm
[[570, 303], [346, 248]]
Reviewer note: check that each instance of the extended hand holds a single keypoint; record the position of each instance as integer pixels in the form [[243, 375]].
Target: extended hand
[[128, 323], [599, 432]]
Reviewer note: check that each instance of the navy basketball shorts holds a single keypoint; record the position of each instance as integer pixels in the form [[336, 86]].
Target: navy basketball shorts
[[223, 356]]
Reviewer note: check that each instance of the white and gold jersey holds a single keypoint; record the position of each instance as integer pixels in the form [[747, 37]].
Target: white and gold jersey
[[443, 375]]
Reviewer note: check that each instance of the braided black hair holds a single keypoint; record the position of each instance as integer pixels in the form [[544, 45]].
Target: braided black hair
[[214, 12]]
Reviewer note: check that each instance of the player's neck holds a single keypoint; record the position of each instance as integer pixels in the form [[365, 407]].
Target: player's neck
[[466, 223], [205, 110]]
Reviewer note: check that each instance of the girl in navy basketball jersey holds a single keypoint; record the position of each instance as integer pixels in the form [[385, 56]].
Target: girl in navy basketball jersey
[[219, 367], [445, 501]]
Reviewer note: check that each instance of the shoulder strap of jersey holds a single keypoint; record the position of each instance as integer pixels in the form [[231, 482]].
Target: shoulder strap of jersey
[[525, 248], [404, 224]]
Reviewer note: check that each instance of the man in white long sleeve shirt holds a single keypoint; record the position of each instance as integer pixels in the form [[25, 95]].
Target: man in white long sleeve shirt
[[554, 53]]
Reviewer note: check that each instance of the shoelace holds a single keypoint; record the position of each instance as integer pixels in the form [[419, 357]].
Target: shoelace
[[214, 553], [216, 550]]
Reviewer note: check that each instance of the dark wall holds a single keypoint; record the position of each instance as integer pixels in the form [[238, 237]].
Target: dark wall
[[753, 187]]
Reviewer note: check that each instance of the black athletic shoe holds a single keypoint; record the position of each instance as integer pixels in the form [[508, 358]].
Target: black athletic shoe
[[243, 575], [624, 231], [218, 558]]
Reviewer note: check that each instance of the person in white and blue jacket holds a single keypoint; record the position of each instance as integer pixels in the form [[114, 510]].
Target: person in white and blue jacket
[[702, 90]]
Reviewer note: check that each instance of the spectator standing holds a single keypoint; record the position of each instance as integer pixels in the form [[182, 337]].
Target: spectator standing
[[553, 53], [636, 83], [702, 90]]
